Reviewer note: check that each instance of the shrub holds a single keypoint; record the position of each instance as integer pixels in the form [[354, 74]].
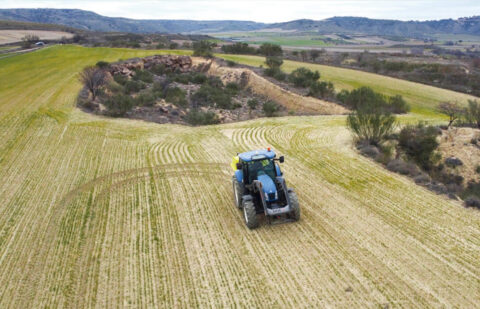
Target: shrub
[[215, 82], [133, 86], [173, 45], [115, 87], [158, 69], [274, 62], [419, 143], [252, 103], [102, 64], [202, 49], [212, 96], [472, 201], [199, 78], [176, 96], [231, 63], [361, 96], [145, 99], [238, 48], [120, 79], [343, 95], [181, 78], [119, 104], [143, 75], [402, 167], [371, 124], [233, 88], [472, 113], [398, 105], [477, 169], [196, 117], [270, 108], [303, 77], [322, 90]]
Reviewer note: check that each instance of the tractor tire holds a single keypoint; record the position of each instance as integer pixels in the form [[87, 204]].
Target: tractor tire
[[250, 215], [237, 192], [295, 214]]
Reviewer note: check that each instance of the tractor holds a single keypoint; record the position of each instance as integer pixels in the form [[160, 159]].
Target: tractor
[[259, 188]]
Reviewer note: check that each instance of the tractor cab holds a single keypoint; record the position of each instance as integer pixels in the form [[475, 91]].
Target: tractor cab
[[258, 184]]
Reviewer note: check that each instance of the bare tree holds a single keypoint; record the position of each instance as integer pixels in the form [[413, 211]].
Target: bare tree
[[452, 110], [314, 54], [303, 53], [28, 40], [93, 78]]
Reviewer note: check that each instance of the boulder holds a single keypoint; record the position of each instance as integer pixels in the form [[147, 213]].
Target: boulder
[[453, 162]]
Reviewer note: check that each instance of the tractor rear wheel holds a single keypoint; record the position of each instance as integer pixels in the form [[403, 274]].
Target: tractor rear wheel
[[250, 215], [295, 214], [237, 192]]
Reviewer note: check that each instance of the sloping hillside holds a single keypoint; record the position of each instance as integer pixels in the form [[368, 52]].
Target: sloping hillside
[[98, 212]]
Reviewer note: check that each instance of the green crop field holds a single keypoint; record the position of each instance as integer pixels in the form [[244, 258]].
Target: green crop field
[[101, 212]]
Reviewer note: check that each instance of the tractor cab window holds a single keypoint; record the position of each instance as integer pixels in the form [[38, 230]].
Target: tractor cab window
[[260, 167]]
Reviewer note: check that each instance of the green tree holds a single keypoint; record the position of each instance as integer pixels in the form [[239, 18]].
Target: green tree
[[419, 143], [303, 77], [270, 50], [472, 113], [270, 108], [202, 49]]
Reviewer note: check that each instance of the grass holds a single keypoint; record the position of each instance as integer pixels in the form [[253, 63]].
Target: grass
[[424, 99], [100, 212]]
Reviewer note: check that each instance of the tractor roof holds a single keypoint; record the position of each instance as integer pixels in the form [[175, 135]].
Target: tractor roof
[[260, 154]]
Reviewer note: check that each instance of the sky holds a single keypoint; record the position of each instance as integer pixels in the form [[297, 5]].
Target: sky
[[263, 10]]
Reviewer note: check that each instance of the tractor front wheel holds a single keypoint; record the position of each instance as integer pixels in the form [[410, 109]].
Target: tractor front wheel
[[295, 214], [250, 215]]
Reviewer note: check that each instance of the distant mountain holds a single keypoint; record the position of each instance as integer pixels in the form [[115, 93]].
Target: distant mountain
[[348, 25], [91, 21], [361, 25]]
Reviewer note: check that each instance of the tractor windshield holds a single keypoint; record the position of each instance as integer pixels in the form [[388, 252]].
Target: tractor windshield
[[259, 167]]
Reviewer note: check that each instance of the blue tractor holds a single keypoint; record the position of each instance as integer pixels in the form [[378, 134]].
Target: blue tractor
[[259, 188]]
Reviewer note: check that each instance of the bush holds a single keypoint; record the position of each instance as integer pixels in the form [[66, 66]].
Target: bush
[[370, 124], [398, 105], [145, 99], [158, 69], [202, 49], [252, 103], [212, 96], [215, 82], [119, 104], [173, 45], [364, 95], [195, 117], [115, 87], [472, 113], [274, 62], [238, 48], [28, 40], [477, 169], [181, 78], [472, 201], [322, 90], [176, 96], [133, 86], [402, 167], [231, 63], [419, 143], [102, 64], [303, 77], [233, 88], [120, 79], [199, 78], [144, 76], [270, 108]]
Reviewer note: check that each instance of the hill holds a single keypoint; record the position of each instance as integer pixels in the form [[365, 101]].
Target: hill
[[360, 25], [347, 25], [91, 21], [99, 212]]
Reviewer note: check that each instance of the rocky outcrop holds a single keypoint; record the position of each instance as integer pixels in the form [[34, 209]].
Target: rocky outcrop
[[172, 63]]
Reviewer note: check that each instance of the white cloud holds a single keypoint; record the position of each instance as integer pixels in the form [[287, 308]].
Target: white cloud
[[263, 10]]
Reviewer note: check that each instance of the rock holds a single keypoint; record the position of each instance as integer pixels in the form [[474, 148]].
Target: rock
[[453, 162], [172, 63]]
